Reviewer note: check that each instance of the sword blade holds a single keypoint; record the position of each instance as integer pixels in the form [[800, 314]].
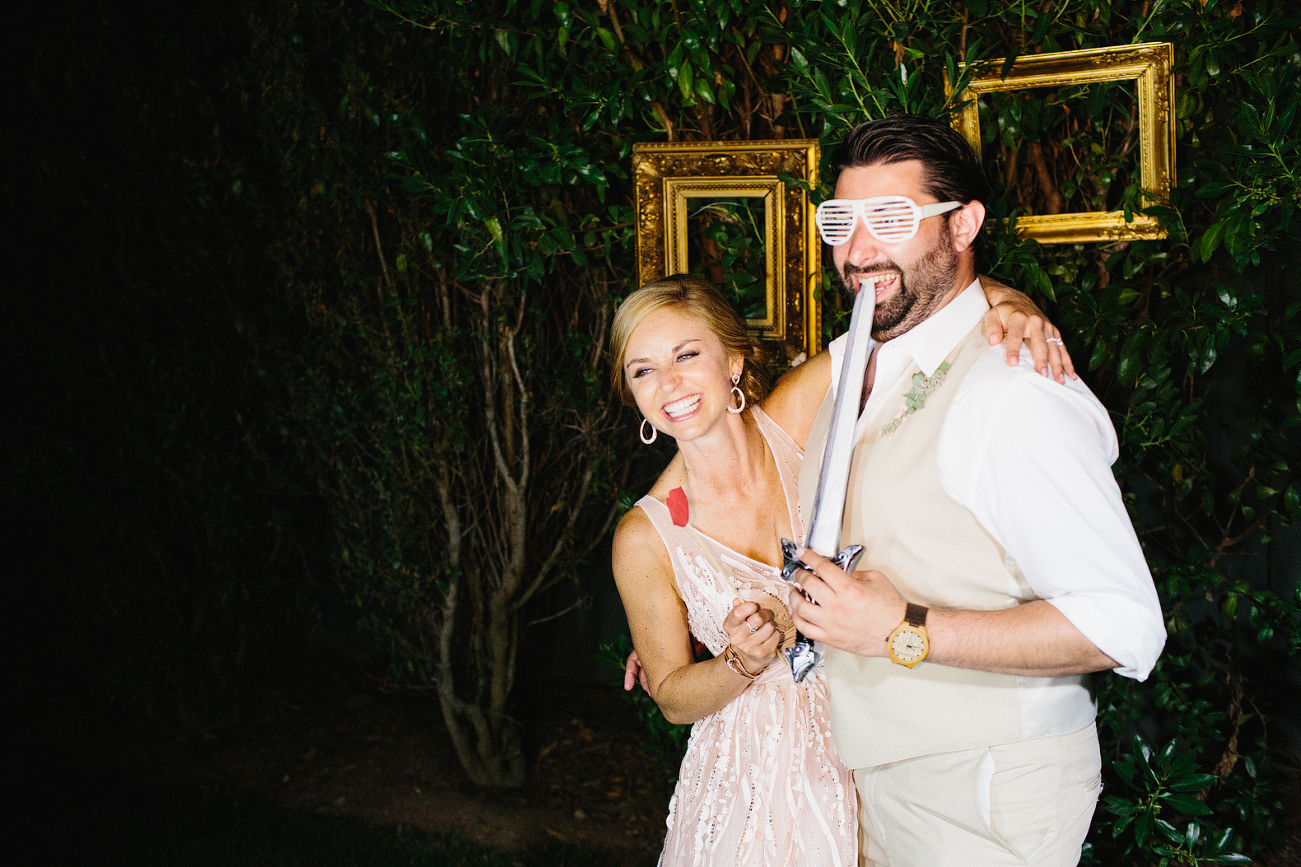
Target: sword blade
[[833, 481]]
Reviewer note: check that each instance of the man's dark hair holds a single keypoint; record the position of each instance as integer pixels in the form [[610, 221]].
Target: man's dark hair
[[953, 172]]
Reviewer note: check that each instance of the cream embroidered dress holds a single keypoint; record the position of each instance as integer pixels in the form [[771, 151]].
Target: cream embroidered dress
[[761, 783]]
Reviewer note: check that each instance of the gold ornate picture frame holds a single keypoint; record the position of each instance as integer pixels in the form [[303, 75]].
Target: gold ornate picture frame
[[1149, 65], [669, 176]]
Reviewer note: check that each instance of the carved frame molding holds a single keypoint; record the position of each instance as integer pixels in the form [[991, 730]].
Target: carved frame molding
[[1148, 64], [666, 176]]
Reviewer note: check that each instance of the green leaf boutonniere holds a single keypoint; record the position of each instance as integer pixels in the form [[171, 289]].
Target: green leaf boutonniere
[[916, 396]]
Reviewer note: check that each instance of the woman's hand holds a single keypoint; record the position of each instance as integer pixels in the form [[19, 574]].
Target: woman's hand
[[753, 635], [1014, 319]]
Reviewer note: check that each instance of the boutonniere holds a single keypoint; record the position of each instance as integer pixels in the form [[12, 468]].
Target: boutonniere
[[915, 398]]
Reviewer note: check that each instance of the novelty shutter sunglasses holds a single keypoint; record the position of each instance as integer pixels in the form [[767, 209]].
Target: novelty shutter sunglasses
[[890, 219]]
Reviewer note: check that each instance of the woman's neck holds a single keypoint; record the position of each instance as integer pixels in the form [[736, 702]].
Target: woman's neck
[[727, 462]]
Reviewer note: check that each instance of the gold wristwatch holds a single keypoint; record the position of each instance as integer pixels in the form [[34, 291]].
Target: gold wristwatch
[[908, 643]]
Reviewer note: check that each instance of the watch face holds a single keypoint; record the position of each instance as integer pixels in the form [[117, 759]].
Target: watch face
[[908, 646]]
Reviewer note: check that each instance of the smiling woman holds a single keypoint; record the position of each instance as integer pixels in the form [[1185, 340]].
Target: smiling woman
[[675, 365], [761, 782]]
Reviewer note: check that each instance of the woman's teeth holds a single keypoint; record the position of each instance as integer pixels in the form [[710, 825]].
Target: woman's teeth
[[682, 407]]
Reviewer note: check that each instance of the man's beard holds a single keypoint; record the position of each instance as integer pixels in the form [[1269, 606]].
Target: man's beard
[[920, 292]]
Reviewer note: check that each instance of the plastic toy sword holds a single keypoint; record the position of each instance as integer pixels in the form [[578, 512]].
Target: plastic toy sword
[[833, 482]]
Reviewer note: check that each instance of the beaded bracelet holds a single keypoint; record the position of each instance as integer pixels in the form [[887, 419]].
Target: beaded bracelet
[[734, 662]]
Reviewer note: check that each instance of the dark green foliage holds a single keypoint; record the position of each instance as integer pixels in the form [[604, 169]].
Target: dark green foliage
[[1169, 784], [728, 243], [449, 394]]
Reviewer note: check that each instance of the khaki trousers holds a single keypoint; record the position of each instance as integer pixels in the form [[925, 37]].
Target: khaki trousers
[[1024, 803]]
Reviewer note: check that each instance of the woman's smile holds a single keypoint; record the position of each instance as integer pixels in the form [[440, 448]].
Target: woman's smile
[[683, 408]]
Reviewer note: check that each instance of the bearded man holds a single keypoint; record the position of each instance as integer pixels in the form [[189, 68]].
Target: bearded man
[[958, 658]]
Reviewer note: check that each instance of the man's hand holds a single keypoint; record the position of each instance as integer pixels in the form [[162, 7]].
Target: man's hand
[[852, 612], [633, 673], [858, 612]]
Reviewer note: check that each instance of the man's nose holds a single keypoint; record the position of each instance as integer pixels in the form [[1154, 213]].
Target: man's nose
[[861, 246]]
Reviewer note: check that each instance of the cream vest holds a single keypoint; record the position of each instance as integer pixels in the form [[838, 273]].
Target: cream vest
[[936, 553]]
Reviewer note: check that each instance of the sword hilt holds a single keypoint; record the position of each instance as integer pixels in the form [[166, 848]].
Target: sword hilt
[[804, 654], [847, 559]]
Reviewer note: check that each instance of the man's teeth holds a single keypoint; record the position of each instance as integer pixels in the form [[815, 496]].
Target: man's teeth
[[682, 407]]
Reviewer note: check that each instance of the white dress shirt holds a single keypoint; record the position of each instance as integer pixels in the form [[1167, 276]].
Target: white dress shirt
[[1031, 460]]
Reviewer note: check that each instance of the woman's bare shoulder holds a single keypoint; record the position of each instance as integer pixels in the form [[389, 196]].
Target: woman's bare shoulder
[[633, 528], [641, 564], [635, 539], [793, 403]]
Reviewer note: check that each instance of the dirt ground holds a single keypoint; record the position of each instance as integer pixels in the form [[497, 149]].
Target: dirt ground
[[383, 757]]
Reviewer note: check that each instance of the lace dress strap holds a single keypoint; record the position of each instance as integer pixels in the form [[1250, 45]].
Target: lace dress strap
[[788, 456]]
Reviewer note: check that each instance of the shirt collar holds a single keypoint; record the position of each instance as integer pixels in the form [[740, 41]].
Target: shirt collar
[[931, 341]]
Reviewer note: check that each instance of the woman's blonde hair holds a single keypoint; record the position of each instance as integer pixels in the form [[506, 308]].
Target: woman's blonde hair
[[697, 298]]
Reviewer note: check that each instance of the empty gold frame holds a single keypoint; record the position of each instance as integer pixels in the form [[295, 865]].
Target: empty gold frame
[[667, 177], [1148, 65]]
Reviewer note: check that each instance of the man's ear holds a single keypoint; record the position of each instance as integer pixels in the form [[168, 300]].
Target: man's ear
[[965, 225]]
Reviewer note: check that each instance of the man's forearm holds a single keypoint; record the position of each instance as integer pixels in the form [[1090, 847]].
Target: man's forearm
[[1030, 640]]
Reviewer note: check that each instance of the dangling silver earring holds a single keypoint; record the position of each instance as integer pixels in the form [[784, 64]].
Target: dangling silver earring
[[642, 432], [737, 391]]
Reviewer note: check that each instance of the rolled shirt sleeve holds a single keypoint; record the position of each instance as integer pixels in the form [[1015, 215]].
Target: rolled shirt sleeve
[[1031, 459]]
